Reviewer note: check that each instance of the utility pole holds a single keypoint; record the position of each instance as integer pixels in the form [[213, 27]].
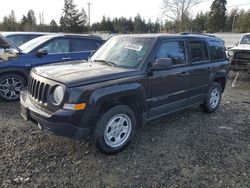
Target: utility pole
[[89, 4], [233, 23]]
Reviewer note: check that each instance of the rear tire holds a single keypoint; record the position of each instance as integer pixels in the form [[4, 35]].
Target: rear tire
[[115, 129], [213, 99], [11, 86]]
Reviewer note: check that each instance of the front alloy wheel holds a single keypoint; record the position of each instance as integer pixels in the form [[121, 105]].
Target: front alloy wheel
[[11, 87], [115, 128]]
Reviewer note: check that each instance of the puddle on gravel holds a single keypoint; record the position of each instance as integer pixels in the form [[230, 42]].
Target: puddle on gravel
[[225, 128]]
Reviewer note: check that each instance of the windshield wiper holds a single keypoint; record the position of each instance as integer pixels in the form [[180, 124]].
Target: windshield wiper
[[107, 62]]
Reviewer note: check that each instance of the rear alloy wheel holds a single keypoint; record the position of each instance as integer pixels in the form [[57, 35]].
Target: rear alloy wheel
[[213, 98], [115, 129], [11, 86]]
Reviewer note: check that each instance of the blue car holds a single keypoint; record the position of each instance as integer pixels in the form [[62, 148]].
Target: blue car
[[16, 64], [19, 38]]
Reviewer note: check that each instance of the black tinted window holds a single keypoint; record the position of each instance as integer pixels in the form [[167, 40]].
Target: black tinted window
[[79, 45], [173, 50], [198, 52], [57, 46], [216, 50]]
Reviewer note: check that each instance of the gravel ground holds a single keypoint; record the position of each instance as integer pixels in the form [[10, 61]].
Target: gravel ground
[[185, 149]]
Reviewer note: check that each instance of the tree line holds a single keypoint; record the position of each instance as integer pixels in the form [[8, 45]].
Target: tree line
[[73, 20]]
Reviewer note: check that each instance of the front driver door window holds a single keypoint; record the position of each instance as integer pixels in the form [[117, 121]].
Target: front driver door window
[[57, 46], [174, 50], [58, 51]]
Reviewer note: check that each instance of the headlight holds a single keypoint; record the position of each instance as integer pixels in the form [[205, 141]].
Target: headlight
[[58, 95], [230, 53]]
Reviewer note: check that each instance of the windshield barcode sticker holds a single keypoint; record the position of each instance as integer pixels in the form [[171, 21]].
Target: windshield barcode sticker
[[133, 47]]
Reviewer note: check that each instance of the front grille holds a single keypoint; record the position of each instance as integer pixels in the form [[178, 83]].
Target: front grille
[[242, 55], [39, 91]]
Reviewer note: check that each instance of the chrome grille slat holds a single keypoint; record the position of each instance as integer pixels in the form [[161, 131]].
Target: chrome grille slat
[[39, 91]]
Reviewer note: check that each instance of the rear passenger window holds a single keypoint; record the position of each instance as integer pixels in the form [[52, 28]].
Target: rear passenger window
[[198, 51], [216, 50], [79, 45], [173, 50]]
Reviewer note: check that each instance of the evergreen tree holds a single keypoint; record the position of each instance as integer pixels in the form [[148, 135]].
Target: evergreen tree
[[53, 27], [231, 20], [217, 16], [139, 25], [242, 24], [9, 22], [72, 20], [200, 22]]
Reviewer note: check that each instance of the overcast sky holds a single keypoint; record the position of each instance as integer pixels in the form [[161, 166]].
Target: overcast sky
[[52, 9]]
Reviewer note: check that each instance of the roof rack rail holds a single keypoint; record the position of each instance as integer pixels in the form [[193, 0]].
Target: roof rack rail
[[203, 34]]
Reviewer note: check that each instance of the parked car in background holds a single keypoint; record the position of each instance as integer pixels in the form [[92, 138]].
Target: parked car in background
[[16, 64], [130, 80], [19, 38], [239, 56]]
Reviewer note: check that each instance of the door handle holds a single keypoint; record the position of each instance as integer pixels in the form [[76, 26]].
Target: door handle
[[209, 68], [185, 74], [66, 58]]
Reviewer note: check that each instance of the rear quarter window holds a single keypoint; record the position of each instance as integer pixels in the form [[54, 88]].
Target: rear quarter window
[[216, 50]]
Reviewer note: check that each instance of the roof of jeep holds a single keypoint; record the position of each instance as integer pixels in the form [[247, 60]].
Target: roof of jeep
[[166, 35]]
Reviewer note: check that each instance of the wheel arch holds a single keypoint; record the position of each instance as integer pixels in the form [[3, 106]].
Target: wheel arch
[[133, 97], [221, 81], [19, 73]]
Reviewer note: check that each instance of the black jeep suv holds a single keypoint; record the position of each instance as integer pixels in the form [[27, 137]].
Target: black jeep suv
[[130, 80]]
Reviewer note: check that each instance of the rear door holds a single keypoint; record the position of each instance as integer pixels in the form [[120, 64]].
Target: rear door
[[201, 70], [205, 60], [169, 87]]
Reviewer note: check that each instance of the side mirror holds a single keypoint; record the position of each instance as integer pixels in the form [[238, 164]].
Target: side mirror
[[162, 64], [41, 53]]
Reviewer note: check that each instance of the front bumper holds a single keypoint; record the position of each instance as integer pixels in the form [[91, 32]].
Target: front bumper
[[59, 123], [240, 65]]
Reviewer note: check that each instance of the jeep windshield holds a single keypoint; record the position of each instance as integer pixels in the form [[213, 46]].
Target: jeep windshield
[[128, 52], [245, 39]]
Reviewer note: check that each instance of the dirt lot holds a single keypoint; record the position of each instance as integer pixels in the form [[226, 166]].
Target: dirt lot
[[186, 149]]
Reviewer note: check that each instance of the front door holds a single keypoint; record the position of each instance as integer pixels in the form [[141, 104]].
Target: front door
[[169, 87]]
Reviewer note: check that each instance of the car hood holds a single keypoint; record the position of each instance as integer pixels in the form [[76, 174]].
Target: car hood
[[77, 73], [241, 47]]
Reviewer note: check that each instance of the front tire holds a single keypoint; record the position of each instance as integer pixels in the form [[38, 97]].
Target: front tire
[[11, 86], [213, 99], [115, 129]]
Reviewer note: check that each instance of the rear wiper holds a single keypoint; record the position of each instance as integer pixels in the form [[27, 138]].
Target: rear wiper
[[107, 62]]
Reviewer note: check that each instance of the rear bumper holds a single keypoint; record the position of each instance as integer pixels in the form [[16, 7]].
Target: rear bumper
[[58, 123]]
